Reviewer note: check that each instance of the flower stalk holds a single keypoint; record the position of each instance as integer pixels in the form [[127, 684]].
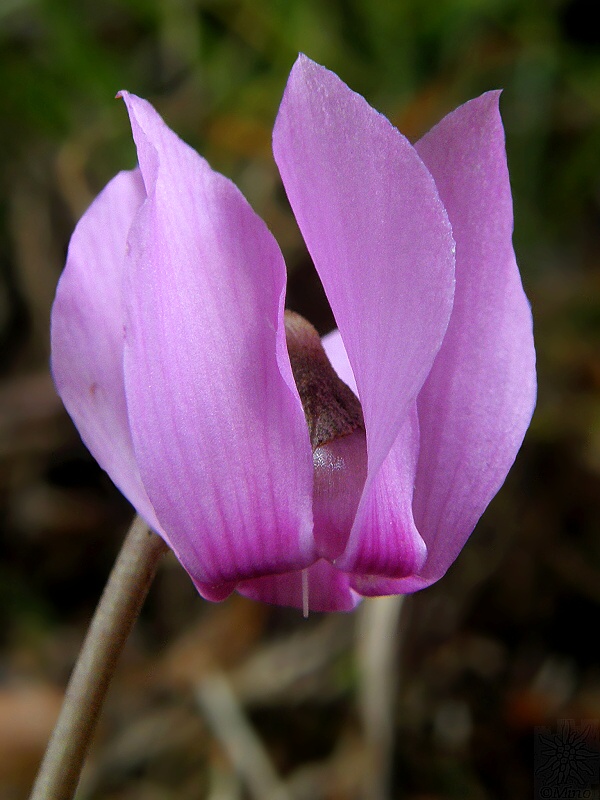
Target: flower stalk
[[111, 625]]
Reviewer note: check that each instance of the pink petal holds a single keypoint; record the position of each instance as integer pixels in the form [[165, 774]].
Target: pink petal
[[327, 589], [217, 425], [379, 236], [87, 335], [387, 500], [336, 353], [385, 540], [380, 239], [477, 403]]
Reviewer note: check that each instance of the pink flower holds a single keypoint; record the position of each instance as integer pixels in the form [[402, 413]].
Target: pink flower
[[169, 348]]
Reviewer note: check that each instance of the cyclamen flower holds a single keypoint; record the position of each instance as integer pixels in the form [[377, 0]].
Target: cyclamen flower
[[169, 349]]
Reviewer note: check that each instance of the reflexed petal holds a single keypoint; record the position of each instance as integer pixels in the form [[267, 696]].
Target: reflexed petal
[[215, 592], [379, 236], [328, 589], [376, 586], [87, 335], [380, 239], [217, 425], [336, 353], [385, 540], [477, 403]]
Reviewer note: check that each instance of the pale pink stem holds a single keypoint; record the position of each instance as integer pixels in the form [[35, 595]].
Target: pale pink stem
[[111, 625]]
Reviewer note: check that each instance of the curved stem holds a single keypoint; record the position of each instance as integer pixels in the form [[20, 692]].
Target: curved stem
[[377, 656], [115, 616]]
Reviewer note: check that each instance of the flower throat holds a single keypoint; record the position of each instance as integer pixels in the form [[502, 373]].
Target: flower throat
[[337, 436], [331, 408]]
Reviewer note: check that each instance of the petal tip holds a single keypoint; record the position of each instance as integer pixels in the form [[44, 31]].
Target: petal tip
[[303, 62], [308, 72]]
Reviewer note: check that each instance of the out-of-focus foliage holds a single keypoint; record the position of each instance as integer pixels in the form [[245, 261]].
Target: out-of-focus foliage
[[496, 647]]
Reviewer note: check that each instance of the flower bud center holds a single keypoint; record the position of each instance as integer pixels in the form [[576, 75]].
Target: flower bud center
[[337, 435]]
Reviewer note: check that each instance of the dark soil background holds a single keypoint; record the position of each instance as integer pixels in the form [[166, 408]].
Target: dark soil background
[[238, 700]]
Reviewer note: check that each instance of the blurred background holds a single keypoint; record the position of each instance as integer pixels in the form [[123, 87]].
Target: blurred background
[[443, 702]]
